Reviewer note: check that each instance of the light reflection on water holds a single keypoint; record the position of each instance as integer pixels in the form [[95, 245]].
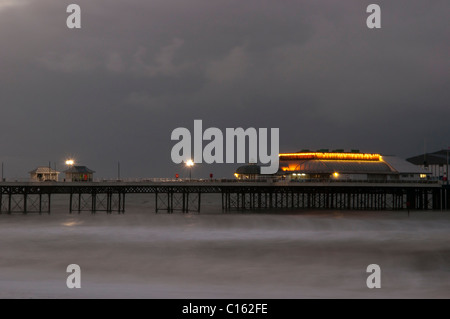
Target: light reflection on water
[[72, 223], [284, 254]]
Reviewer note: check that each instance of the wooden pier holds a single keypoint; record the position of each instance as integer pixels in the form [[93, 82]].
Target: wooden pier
[[186, 197]]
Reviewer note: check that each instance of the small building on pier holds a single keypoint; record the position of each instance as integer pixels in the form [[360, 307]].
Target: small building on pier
[[79, 174], [250, 172], [44, 174], [436, 164]]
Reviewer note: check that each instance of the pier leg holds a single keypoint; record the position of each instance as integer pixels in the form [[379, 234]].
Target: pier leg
[[108, 203], [186, 201], [119, 209], [70, 202], [9, 203], [276, 200], [94, 203], [292, 199], [446, 199], [259, 200], [25, 197]]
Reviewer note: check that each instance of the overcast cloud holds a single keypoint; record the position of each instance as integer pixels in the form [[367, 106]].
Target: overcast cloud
[[138, 69]]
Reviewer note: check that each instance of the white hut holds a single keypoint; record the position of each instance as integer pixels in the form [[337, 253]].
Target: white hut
[[44, 174]]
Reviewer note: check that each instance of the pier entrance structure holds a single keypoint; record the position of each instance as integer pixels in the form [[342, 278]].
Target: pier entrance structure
[[186, 196]]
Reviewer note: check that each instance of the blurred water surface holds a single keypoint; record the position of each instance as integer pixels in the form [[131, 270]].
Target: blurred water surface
[[263, 254]]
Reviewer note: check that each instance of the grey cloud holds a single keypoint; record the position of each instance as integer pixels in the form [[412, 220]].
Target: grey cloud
[[70, 62], [137, 69], [230, 68], [7, 4], [161, 64]]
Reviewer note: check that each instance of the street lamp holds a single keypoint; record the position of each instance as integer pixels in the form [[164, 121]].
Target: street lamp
[[70, 162], [189, 164]]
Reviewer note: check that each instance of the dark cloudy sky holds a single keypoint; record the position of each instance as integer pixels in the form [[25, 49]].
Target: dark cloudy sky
[[138, 69]]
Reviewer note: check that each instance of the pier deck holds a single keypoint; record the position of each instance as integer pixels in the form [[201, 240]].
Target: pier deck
[[185, 196]]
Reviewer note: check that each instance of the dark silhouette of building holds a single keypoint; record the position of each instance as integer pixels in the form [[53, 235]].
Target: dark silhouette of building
[[79, 174], [435, 163]]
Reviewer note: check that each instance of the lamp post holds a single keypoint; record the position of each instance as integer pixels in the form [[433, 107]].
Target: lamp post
[[446, 189], [446, 173], [70, 163], [189, 164]]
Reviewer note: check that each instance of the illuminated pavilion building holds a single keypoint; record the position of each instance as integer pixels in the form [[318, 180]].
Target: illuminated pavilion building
[[339, 166]]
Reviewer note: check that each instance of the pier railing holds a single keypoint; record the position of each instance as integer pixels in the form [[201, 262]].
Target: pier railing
[[277, 181], [264, 180]]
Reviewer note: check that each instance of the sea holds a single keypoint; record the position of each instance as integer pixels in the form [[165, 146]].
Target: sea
[[261, 254]]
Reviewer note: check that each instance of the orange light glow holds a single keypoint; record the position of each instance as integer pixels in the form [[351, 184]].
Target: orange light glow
[[292, 167], [330, 156]]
